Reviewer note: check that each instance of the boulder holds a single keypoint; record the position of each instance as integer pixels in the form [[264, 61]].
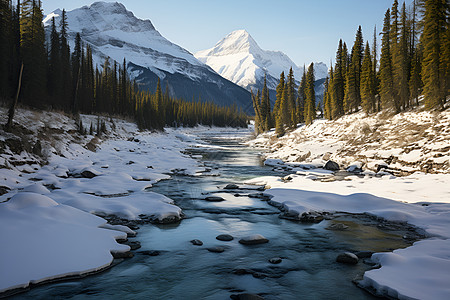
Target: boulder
[[216, 249], [253, 240], [231, 186], [197, 242], [331, 166], [275, 260], [214, 199], [150, 252], [224, 237], [347, 258]]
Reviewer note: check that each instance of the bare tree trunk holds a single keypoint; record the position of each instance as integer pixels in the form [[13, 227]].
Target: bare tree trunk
[[12, 109]]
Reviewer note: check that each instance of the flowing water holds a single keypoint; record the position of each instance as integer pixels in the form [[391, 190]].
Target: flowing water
[[183, 271]]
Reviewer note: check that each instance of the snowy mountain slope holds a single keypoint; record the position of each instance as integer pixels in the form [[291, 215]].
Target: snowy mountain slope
[[115, 32], [238, 58]]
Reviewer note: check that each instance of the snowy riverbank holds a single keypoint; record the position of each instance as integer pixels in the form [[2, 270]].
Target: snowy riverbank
[[47, 219], [407, 143]]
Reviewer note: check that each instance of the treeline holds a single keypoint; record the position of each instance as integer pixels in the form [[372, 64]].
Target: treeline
[[415, 60], [54, 77], [291, 106]]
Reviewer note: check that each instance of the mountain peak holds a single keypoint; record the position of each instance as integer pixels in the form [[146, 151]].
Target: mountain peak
[[238, 41]]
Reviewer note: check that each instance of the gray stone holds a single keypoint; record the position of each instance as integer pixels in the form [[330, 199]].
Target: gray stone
[[332, 166], [347, 258], [214, 199], [197, 242], [253, 240], [275, 260], [231, 186], [364, 254], [224, 237], [216, 249], [88, 174], [127, 254], [134, 245]]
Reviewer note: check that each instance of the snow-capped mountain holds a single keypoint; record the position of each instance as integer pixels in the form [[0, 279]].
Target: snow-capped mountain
[[238, 58], [115, 32]]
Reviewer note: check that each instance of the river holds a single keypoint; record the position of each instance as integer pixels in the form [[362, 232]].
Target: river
[[183, 271]]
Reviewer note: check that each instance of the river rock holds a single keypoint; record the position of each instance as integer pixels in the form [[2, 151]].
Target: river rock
[[89, 173], [134, 245], [332, 166], [337, 226], [224, 237], [216, 249], [197, 242], [253, 240], [275, 260], [231, 186], [347, 258], [364, 254], [126, 254], [214, 199], [246, 296]]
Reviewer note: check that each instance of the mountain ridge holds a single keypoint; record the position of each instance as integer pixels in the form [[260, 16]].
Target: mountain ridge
[[113, 31]]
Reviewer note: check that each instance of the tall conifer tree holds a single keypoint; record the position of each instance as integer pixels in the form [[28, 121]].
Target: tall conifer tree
[[386, 74]]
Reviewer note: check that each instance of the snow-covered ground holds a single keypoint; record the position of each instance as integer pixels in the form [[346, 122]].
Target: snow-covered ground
[[46, 214], [408, 142]]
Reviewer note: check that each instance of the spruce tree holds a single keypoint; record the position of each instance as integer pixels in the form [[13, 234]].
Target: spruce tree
[[66, 78], [401, 64], [279, 95], [337, 99], [435, 63], [367, 82], [310, 103], [265, 113], [301, 97], [291, 119], [386, 75]]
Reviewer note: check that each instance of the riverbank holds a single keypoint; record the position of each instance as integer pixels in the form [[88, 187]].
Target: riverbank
[[395, 170], [56, 182]]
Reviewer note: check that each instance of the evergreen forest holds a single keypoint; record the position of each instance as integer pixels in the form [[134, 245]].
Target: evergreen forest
[[45, 73]]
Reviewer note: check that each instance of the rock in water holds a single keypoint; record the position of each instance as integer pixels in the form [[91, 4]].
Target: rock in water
[[224, 237], [275, 260], [231, 186], [347, 258], [253, 240], [332, 166], [197, 242], [216, 249], [214, 199]]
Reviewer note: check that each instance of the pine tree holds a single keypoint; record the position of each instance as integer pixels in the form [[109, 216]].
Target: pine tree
[[328, 109], [291, 119], [265, 113], [257, 109], [386, 75], [375, 66], [367, 83], [279, 90], [415, 81], [326, 101], [301, 97], [352, 98], [310, 103], [54, 70], [337, 99], [76, 72], [66, 78], [5, 45], [435, 65], [32, 50], [401, 64]]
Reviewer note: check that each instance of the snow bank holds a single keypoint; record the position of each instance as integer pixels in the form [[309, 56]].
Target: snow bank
[[43, 240], [421, 271]]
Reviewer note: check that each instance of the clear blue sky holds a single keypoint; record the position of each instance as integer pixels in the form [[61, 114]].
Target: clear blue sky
[[306, 30]]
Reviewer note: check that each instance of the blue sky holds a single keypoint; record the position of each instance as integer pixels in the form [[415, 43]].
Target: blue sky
[[305, 30]]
